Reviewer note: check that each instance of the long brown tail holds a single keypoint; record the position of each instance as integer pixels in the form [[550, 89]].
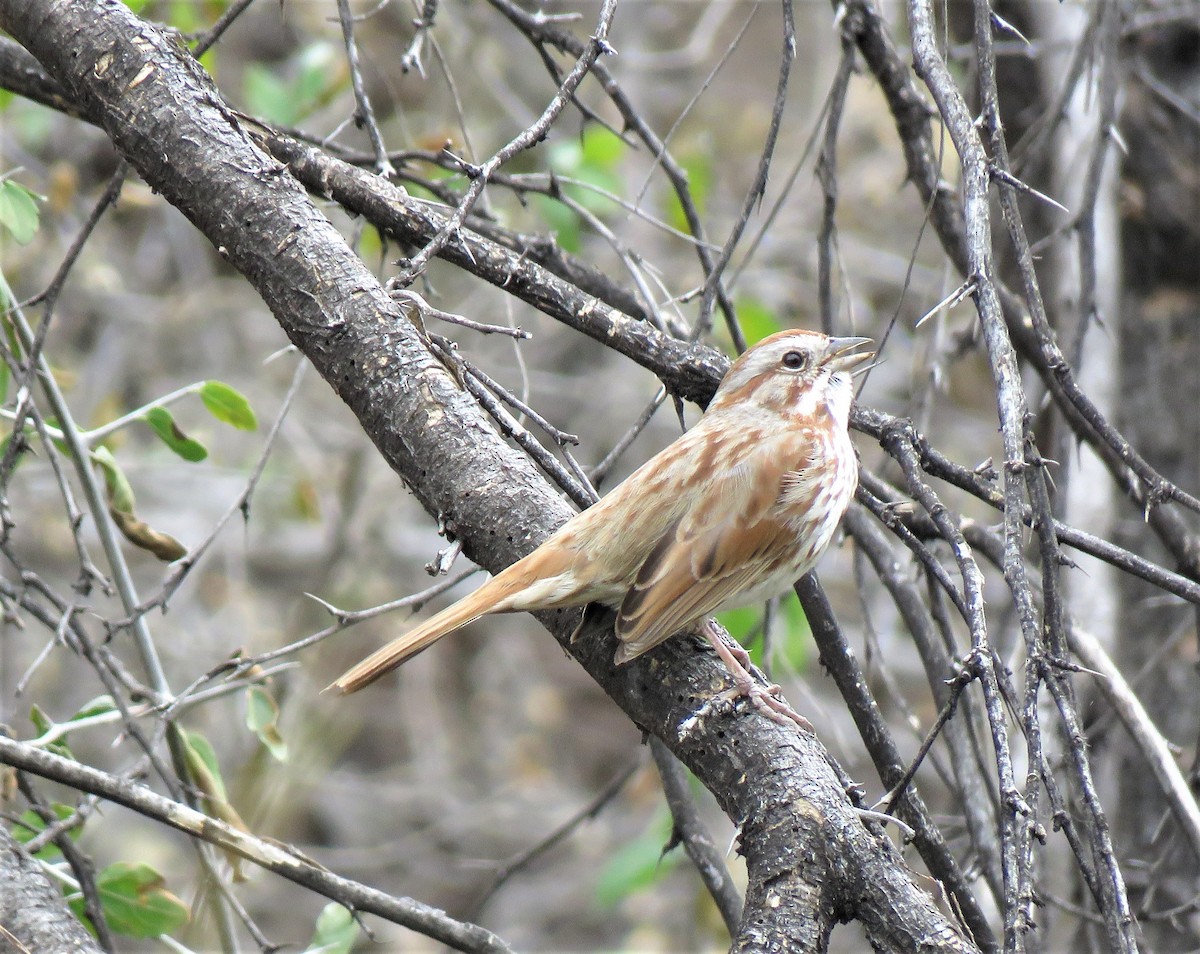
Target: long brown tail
[[384, 660]]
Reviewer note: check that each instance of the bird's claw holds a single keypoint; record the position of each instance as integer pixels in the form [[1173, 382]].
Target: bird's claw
[[768, 700]]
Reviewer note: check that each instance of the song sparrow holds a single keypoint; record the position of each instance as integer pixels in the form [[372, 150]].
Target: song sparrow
[[731, 513]]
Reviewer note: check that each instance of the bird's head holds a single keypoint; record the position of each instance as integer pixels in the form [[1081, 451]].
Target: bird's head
[[795, 372]]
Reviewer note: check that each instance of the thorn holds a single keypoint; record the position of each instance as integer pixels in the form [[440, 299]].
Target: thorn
[[956, 296], [1005, 27], [1009, 179]]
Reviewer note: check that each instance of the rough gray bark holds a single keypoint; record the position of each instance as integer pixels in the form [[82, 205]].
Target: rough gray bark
[[33, 916]]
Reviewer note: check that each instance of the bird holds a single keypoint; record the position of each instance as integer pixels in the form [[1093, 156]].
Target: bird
[[732, 513]]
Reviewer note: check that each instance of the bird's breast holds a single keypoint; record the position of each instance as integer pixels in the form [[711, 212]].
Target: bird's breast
[[814, 497]]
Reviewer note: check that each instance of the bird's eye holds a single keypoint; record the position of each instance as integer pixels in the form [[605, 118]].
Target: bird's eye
[[795, 360]]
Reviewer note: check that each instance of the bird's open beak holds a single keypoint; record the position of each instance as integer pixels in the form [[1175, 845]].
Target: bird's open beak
[[842, 356]]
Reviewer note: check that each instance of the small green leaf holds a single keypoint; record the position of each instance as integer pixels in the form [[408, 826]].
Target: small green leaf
[[320, 70], [262, 718], [228, 405], [316, 74], [163, 424], [206, 776], [120, 493], [602, 148], [98, 706], [560, 220], [336, 931], [638, 865], [184, 17], [268, 96], [19, 211], [121, 505], [136, 902], [42, 723], [757, 320], [743, 622], [587, 163], [29, 825], [202, 761], [699, 168], [790, 630], [794, 640]]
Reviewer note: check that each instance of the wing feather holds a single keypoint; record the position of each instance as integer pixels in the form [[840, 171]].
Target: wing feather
[[734, 536]]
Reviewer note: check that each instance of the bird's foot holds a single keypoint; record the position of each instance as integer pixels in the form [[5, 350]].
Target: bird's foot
[[767, 699]]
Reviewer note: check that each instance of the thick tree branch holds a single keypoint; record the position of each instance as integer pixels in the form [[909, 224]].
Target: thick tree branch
[[33, 916]]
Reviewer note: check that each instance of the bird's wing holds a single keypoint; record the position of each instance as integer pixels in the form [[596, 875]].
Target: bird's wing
[[732, 538]]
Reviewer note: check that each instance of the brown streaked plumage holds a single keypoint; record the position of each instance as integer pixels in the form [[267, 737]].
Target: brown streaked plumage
[[731, 513]]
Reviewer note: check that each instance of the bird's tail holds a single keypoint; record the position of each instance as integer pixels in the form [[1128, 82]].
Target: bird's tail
[[468, 609]]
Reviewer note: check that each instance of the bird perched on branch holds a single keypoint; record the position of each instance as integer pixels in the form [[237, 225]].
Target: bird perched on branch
[[732, 513]]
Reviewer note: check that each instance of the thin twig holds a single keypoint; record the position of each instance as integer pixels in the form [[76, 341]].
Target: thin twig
[[689, 830], [364, 115], [479, 175], [272, 856]]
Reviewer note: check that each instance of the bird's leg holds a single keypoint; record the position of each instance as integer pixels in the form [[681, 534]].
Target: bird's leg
[[766, 698]]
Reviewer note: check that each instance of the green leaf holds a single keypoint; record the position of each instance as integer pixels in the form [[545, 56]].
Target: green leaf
[[790, 629], [185, 17], [262, 718], [163, 424], [98, 706], [136, 902], [19, 211], [29, 825], [202, 761], [795, 634], [591, 160], [320, 71], [699, 168], [742, 622], [228, 405], [268, 97], [120, 493], [316, 74], [206, 776], [757, 320], [42, 723], [560, 220], [638, 865], [602, 148], [335, 933], [121, 505]]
